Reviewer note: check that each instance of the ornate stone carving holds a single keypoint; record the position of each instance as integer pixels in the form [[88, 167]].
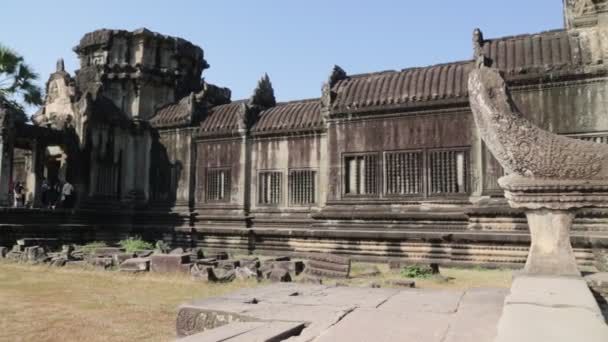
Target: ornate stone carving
[[549, 175], [523, 148], [581, 13], [328, 95], [192, 321]]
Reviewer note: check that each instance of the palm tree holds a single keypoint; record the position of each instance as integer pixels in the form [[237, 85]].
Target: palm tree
[[17, 83]]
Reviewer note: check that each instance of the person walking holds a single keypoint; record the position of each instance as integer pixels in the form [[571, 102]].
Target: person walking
[[67, 195], [44, 193]]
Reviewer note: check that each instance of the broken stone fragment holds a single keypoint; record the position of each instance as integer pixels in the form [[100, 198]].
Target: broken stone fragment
[[295, 267], [279, 275], [34, 254], [252, 263], [119, 258], [229, 264], [221, 275], [102, 262], [135, 265], [178, 250], [58, 261], [403, 283], [199, 272], [245, 273]]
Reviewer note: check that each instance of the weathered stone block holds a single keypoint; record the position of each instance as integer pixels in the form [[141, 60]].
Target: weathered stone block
[[119, 258], [169, 263], [34, 254], [249, 263], [295, 267], [135, 265], [103, 262], [229, 264], [200, 273], [279, 275], [245, 273], [221, 275]]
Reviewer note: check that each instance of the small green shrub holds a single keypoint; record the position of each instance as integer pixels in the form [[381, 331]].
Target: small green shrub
[[92, 246], [134, 244], [416, 272]]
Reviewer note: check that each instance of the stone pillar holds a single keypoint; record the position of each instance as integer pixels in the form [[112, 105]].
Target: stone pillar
[[6, 168], [36, 173], [550, 250]]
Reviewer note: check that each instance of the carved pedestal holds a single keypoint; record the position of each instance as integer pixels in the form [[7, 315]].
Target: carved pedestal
[[550, 249], [551, 206]]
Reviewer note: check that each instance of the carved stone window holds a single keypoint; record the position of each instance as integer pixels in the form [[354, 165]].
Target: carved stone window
[[448, 171], [269, 187], [218, 185], [403, 173], [302, 187], [361, 175]]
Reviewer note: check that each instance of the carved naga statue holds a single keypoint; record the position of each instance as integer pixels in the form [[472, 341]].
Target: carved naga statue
[[549, 176]]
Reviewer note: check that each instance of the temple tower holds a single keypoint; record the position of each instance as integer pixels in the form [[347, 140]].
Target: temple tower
[[140, 71]]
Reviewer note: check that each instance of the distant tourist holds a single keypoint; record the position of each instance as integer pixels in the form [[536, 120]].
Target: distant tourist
[[54, 193], [67, 195], [19, 195], [44, 193]]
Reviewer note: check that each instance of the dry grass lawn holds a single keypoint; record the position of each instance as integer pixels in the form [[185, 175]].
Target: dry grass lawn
[[38, 303]]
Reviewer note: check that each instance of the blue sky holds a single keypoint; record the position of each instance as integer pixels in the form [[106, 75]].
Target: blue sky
[[295, 42]]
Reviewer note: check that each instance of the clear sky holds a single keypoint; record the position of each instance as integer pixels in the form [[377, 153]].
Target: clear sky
[[295, 42]]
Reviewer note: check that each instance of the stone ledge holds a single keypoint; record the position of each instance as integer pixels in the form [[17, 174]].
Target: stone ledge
[[551, 309]]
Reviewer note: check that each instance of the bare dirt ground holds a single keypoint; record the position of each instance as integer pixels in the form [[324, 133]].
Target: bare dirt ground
[[38, 303]]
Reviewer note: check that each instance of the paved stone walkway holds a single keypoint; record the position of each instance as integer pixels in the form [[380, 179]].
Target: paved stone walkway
[[298, 312]]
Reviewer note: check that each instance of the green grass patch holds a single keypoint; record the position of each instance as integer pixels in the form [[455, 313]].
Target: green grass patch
[[134, 244], [415, 272]]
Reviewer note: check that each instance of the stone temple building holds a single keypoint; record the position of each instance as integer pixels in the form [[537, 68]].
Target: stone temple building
[[381, 165]]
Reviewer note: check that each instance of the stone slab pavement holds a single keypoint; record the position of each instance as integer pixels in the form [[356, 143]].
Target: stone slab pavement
[[343, 314]]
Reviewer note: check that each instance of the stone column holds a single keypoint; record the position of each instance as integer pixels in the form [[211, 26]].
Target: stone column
[[36, 173], [550, 250]]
